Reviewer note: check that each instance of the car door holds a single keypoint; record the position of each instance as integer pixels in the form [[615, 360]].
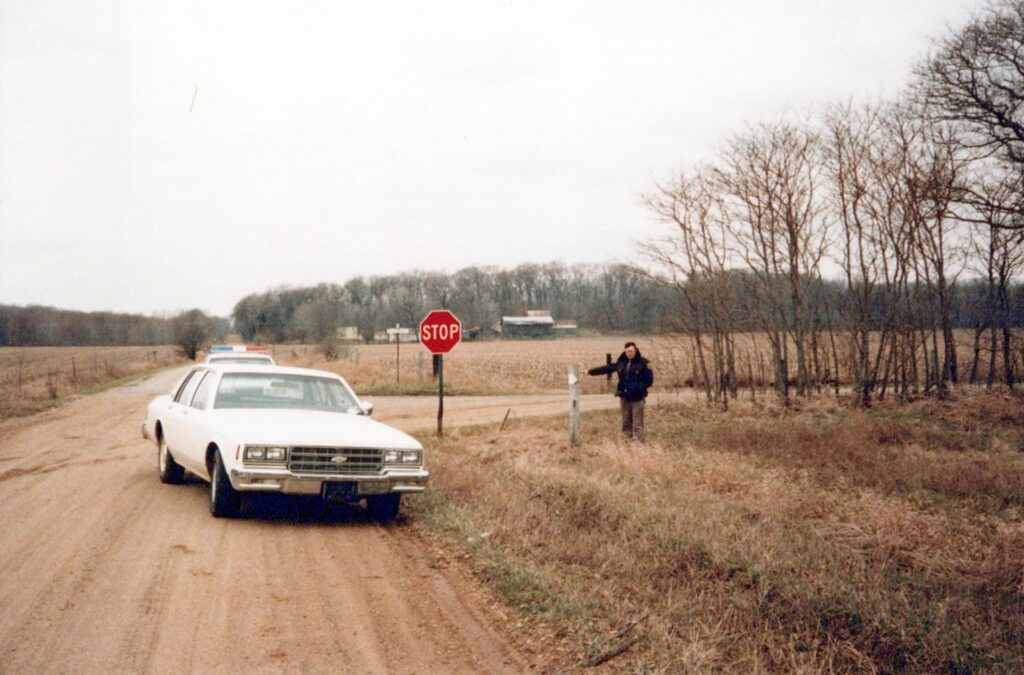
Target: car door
[[176, 419], [197, 432]]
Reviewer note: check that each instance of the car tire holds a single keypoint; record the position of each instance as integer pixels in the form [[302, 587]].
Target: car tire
[[224, 499], [170, 471], [384, 508]]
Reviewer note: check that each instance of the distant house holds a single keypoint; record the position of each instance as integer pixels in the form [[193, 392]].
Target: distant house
[[348, 333], [536, 324], [383, 336], [566, 328]]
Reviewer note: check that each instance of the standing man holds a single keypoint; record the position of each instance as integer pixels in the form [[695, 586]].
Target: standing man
[[635, 377]]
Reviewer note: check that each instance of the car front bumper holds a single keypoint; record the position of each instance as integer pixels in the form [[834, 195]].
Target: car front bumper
[[273, 479]]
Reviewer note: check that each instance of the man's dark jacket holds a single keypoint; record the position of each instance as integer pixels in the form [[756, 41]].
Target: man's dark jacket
[[635, 376]]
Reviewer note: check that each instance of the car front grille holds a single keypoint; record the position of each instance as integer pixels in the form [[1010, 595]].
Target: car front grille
[[327, 460]]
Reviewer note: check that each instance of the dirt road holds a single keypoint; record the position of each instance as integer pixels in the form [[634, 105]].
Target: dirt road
[[104, 569]]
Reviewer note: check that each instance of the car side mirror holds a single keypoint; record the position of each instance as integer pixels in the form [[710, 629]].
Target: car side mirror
[[367, 407]]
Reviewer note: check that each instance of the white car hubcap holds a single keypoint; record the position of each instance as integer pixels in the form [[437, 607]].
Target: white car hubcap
[[163, 456]]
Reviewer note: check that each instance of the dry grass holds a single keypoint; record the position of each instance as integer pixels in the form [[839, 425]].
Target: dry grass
[[537, 366], [758, 540], [489, 367], [35, 378]]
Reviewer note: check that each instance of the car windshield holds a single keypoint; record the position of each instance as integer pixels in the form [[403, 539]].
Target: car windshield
[[245, 360], [292, 392]]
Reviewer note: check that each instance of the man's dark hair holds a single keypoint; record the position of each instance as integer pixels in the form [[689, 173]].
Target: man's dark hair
[[630, 344]]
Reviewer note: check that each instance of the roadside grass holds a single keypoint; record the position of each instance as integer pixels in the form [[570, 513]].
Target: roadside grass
[[34, 379], [755, 540]]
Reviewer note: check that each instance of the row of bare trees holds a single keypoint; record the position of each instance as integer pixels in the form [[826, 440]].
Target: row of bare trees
[[901, 199]]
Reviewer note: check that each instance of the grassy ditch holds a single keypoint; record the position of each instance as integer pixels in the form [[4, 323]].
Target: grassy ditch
[[758, 539]]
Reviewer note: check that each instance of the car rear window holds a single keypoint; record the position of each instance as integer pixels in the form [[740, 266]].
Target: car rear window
[[249, 361]]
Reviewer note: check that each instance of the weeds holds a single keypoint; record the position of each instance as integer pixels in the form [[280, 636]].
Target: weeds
[[36, 378], [826, 539]]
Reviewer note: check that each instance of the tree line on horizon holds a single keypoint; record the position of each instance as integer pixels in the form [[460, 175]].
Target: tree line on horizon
[[600, 298], [42, 326]]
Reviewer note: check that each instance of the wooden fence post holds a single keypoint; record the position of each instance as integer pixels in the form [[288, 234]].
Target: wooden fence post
[[574, 404]]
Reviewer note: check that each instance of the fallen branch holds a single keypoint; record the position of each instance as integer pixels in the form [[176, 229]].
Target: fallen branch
[[610, 653]]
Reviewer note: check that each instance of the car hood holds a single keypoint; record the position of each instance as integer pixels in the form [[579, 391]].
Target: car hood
[[311, 428]]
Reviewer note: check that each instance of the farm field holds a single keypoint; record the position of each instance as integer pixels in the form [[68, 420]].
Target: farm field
[[37, 378], [494, 367], [539, 366], [820, 538]]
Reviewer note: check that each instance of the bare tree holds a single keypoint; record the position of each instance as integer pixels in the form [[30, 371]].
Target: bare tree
[[866, 249], [976, 76], [695, 262], [770, 178], [931, 170], [1001, 252]]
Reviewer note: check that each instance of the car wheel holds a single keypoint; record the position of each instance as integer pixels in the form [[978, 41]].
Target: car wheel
[[224, 499], [170, 471], [383, 507]]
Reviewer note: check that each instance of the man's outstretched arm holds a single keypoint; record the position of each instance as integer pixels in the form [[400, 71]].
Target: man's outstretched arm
[[603, 370]]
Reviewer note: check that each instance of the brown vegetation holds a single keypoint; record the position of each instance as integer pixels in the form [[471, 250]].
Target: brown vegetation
[[763, 539], [35, 378], [538, 366]]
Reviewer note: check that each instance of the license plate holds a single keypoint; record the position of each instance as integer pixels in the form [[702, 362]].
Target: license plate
[[341, 491]]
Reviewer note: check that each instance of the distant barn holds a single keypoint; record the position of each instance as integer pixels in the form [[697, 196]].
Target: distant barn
[[565, 328], [348, 334], [536, 324]]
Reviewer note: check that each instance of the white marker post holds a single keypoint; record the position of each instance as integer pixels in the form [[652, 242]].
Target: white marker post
[[574, 404]]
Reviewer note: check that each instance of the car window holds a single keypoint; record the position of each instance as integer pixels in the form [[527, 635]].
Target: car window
[[246, 360], [184, 383], [276, 390], [185, 395], [204, 391]]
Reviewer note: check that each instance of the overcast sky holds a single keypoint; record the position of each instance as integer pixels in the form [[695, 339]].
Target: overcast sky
[[157, 156]]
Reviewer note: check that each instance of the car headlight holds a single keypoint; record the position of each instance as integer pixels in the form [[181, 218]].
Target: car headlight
[[265, 453], [402, 456]]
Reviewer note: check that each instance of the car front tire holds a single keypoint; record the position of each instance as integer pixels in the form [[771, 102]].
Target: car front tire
[[170, 471], [224, 499], [384, 508]]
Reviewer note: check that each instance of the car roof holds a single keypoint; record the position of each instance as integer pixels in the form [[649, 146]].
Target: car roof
[[238, 355]]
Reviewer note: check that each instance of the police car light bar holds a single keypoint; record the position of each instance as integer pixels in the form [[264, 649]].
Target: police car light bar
[[238, 348]]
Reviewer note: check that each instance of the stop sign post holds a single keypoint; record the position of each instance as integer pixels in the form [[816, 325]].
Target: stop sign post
[[440, 331]]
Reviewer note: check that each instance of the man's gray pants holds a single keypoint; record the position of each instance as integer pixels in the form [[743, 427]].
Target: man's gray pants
[[632, 419]]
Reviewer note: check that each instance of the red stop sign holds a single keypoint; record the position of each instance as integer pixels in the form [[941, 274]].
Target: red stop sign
[[440, 331]]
